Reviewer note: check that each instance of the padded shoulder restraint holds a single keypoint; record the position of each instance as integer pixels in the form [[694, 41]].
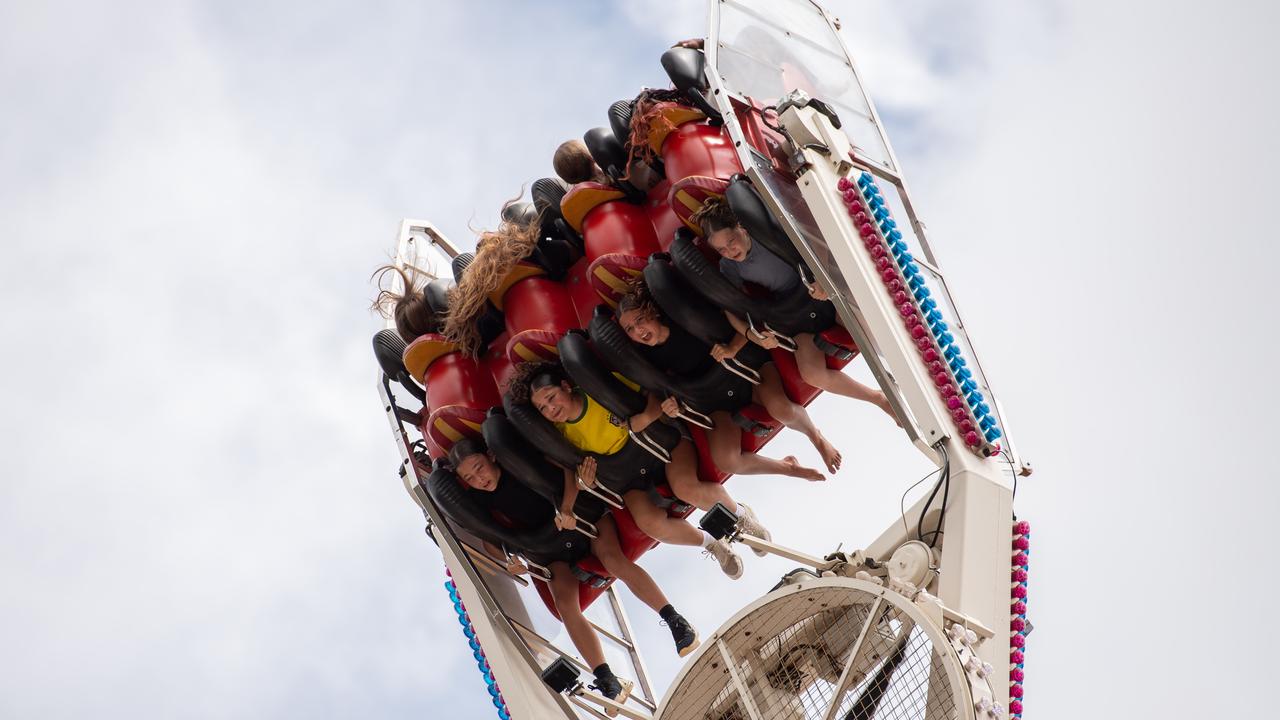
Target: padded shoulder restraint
[[596, 380], [388, 348], [618, 471], [716, 287], [547, 194], [523, 461], [759, 223], [606, 150], [460, 264], [620, 121], [712, 390], [519, 212], [687, 69], [437, 295], [683, 305], [464, 511]]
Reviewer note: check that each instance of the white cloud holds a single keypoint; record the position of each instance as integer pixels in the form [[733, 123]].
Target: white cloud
[[199, 514]]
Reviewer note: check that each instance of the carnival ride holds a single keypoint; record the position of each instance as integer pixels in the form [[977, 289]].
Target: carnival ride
[[771, 115]]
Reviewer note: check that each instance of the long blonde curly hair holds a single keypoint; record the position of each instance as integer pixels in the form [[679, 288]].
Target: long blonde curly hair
[[497, 252]]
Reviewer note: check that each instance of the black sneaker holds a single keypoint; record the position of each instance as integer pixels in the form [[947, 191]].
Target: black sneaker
[[614, 689], [683, 633]]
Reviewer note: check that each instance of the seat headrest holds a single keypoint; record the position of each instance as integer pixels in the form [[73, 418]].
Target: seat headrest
[[673, 115], [583, 198], [688, 195], [420, 353]]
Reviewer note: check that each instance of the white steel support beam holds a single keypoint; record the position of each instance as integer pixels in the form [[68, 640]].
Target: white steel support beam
[[974, 575]]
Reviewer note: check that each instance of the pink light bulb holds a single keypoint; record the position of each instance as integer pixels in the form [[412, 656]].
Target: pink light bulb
[[1015, 707], [1017, 641], [971, 439], [953, 402], [941, 379], [1022, 528], [844, 184], [1016, 657], [849, 195], [1020, 559], [1019, 608], [966, 425], [901, 297], [895, 285], [882, 262], [861, 217], [878, 251], [1017, 624], [890, 274], [1020, 575], [1016, 674], [950, 391], [960, 415], [1021, 543], [1016, 691], [924, 343], [1018, 591], [930, 355], [866, 230]]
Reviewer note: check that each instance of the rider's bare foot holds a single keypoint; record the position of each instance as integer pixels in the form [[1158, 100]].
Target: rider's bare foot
[[830, 455], [799, 471]]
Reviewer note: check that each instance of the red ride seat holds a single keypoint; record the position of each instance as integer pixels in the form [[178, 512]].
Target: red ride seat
[[459, 391], [617, 236]]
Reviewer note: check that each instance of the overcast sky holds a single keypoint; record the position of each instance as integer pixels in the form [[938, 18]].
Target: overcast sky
[[199, 515]]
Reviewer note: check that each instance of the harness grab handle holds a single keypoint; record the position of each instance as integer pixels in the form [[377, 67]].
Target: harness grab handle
[[742, 370], [586, 527], [689, 414], [650, 445], [609, 497], [786, 342]]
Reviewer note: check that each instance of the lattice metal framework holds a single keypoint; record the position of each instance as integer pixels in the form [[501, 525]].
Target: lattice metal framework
[[834, 651]]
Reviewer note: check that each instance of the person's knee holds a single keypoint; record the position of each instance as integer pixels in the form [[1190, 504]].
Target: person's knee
[[782, 410], [729, 461]]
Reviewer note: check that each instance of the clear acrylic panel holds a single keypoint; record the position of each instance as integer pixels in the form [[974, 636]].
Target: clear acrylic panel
[[767, 49]]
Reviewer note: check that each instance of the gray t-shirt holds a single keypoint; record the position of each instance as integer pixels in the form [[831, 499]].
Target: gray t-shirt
[[763, 268]]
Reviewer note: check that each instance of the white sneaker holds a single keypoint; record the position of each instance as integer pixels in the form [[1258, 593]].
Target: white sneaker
[[750, 524], [729, 561]]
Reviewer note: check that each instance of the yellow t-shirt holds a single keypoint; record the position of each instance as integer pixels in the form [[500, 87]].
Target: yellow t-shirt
[[597, 430]]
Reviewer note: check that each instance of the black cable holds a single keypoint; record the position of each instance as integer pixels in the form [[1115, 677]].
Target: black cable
[[902, 501], [946, 492], [1008, 457], [944, 481]]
